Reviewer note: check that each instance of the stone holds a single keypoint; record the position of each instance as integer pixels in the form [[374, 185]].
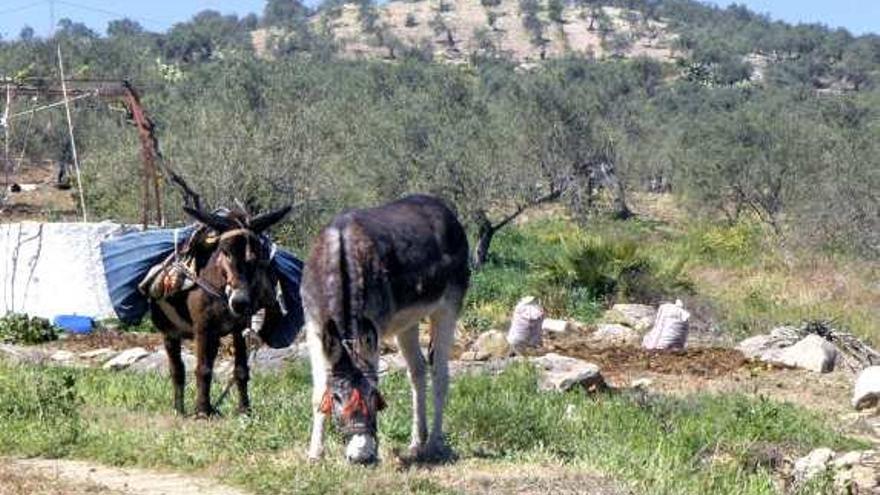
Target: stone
[[857, 479], [555, 326], [493, 367], [562, 373], [810, 353], [98, 355], [641, 383], [126, 358], [390, 363], [63, 357], [157, 362], [811, 465], [780, 337], [615, 334], [267, 359], [492, 345], [848, 460], [637, 316], [866, 392], [473, 356], [23, 355]]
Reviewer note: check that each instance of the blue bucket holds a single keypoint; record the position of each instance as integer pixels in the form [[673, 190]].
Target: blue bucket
[[74, 323]]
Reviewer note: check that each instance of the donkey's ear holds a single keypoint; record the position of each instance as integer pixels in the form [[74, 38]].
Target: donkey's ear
[[214, 221], [262, 222]]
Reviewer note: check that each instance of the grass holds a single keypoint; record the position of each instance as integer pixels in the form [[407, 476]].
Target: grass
[[735, 276], [699, 444]]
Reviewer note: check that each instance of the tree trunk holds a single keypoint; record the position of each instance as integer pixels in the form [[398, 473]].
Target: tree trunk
[[609, 177], [485, 233]]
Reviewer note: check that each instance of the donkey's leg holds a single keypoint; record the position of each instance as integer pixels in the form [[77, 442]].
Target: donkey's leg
[[241, 372], [408, 342], [207, 344], [178, 372], [319, 387], [443, 333]]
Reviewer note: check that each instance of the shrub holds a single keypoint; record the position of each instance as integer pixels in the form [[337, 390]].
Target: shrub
[[21, 329], [611, 269]]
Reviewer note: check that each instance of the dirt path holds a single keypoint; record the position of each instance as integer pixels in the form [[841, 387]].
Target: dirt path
[[51, 477]]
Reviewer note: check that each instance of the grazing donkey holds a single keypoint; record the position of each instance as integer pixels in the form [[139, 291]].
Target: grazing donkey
[[373, 274], [232, 280]]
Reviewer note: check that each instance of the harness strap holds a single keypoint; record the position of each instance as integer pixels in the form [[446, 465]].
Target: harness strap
[[205, 286]]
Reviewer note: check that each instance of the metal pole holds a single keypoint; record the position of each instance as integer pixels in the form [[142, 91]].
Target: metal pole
[[82, 199]]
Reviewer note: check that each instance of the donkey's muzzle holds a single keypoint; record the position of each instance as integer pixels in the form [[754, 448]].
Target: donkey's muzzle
[[239, 302]]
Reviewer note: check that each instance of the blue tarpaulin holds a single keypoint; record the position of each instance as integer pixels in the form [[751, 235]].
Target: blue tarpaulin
[[128, 258]]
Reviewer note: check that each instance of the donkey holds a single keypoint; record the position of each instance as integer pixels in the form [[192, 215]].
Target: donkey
[[371, 275], [232, 280]]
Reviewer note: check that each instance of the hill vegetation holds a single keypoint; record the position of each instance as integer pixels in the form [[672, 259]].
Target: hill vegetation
[[740, 117]]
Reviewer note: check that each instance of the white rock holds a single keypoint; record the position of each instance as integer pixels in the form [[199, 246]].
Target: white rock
[[555, 326], [811, 353], [614, 334], [638, 316], [866, 392], [126, 358], [780, 337], [390, 363], [62, 356], [491, 344], [98, 355], [561, 373], [157, 362], [814, 463], [847, 460], [641, 383]]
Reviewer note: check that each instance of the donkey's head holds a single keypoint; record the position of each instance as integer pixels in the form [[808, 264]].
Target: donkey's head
[[241, 252], [352, 396]]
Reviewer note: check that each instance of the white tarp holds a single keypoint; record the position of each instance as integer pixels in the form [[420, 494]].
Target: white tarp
[[51, 269]]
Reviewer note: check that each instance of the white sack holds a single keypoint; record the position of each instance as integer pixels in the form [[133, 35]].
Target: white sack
[[670, 328]]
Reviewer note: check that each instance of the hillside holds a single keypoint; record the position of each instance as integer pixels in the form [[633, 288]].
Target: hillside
[[454, 30]]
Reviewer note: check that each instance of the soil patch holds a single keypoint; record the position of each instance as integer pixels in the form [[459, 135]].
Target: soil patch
[[703, 362], [102, 479], [112, 339]]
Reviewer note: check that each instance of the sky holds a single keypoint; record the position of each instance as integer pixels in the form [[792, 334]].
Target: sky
[[859, 16]]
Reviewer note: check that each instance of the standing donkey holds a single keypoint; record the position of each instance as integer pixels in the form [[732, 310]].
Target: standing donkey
[[374, 274], [232, 280]]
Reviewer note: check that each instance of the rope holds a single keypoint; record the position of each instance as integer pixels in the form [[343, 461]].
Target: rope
[[251, 358], [51, 105], [82, 199], [5, 122]]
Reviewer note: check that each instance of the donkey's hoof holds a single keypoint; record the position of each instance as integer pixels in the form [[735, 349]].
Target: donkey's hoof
[[207, 414]]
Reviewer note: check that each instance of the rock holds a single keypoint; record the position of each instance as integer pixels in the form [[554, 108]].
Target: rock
[[98, 355], [23, 355], [157, 362], [126, 358], [473, 356], [641, 383], [780, 337], [561, 373], [493, 367], [811, 465], [63, 357], [615, 334], [268, 359], [637, 316], [491, 345], [390, 363], [555, 326], [866, 392], [858, 479], [848, 460], [811, 353]]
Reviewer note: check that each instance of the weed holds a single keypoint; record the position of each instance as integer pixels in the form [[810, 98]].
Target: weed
[[20, 329]]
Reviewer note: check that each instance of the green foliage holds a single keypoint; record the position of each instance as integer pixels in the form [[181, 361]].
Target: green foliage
[[612, 269], [18, 328]]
